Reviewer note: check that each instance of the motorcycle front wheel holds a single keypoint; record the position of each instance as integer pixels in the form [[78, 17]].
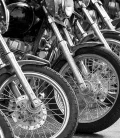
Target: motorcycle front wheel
[[114, 42], [5, 127], [40, 122], [103, 80]]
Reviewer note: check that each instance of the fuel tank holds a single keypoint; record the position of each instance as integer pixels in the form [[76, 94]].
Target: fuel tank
[[21, 19]]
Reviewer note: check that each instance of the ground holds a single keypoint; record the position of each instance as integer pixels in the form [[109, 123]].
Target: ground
[[111, 132]]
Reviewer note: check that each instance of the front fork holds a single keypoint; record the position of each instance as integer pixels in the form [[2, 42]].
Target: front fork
[[12, 60], [70, 42], [103, 14], [66, 52], [94, 25]]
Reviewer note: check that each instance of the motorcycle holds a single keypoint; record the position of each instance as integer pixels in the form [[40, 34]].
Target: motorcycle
[[104, 15], [113, 9], [110, 37], [107, 22], [83, 36], [100, 15], [92, 70], [27, 89]]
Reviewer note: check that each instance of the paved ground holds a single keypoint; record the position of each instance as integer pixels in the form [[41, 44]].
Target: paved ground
[[111, 132]]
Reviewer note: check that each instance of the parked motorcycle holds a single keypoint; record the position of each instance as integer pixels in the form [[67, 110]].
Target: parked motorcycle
[[83, 36], [107, 22], [112, 7], [27, 90], [94, 72], [110, 37], [100, 15], [104, 15]]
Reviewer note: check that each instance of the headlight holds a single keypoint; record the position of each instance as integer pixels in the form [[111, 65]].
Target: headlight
[[86, 2], [60, 8]]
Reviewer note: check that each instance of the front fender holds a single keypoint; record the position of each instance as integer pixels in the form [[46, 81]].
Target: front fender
[[7, 69], [111, 34], [31, 62], [107, 31], [36, 59], [89, 37], [61, 59], [86, 44]]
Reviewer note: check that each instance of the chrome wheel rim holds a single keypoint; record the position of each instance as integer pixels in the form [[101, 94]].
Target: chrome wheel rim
[[1, 133], [27, 122], [114, 45], [91, 107]]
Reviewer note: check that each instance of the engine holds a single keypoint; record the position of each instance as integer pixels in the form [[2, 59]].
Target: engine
[[46, 48], [19, 48]]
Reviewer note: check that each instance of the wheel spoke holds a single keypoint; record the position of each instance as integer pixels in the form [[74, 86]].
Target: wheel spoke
[[41, 121], [55, 113], [49, 100], [103, 81]]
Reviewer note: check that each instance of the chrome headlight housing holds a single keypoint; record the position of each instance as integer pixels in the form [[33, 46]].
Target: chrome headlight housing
[[60, 8]]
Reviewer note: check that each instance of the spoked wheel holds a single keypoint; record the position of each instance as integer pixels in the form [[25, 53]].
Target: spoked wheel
[[103, 80], [114, 42], [40, 122], [115, 46], [5, 127]]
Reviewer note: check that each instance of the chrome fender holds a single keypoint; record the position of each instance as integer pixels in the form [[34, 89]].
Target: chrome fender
[[61, 59], [8, 70]]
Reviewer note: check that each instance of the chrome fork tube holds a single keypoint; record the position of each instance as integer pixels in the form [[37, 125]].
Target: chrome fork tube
[[95, 26], [84, 69], [70, 42], [66, 52], [105, 16], [15, 89], [10, 56], [83, 33]]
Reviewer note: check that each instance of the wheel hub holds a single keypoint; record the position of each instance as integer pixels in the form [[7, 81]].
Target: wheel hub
[[89, 88], [26, 116], [99, 86]]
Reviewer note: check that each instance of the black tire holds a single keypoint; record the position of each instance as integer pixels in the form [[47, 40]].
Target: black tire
[[110, 38], [113, 115], [5, 126], [72, 100]]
